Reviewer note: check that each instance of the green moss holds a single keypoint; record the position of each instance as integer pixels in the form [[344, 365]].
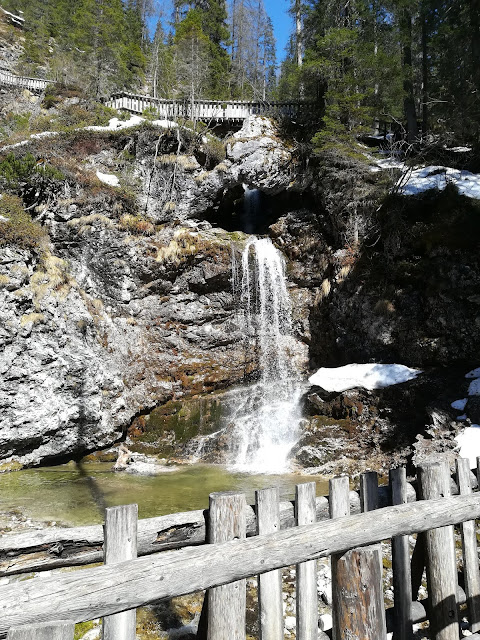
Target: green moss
[[177, 422], [10, 466], [81, 629]]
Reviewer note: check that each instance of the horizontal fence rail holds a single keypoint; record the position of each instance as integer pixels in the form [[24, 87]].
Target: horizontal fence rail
[[106, 590], [61, 547], [214, 110]]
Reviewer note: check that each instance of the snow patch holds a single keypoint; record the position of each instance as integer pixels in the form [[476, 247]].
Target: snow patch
[[459, 404], [108, 178], [437, 177], [469, 444], [474, 387], [368, 376], [474, 373]]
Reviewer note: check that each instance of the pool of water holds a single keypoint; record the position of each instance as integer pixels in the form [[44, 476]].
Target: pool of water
[[76, 494]]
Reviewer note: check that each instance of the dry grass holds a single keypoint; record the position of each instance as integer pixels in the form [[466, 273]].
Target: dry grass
[[187, 163], [33, 318], [4, 281], [51, 278], [137, 225], [85, 224]]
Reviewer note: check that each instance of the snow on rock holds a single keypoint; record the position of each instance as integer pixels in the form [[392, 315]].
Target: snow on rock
[[108, 178], [469, 444], [368, 376], [437, 177], [474, 387], [459, 404], [475, 373]]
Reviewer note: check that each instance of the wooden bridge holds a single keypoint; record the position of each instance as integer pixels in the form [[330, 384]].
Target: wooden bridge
[[214, 111], [32, 84], [217, 550]]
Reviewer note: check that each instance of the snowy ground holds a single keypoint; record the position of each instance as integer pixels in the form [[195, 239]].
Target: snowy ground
[[113, 125], [368, 376], [415, 180], [469, 439]]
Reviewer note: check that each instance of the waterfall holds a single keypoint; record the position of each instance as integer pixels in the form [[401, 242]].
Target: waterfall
[[266, 419]]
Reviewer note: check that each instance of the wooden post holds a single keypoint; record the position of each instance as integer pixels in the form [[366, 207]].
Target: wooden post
[[402, 577], [358, 595], [470, 553], [120, 545], [357, 575], [339, 507], [307, 601], [369, 491], [43, 631], [269, 584], [441, 565], [227, 604]]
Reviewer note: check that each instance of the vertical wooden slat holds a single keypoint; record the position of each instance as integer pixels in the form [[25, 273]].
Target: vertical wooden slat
[[307, 601], [120, 544], [269, 584], [369, 491], [227, 604], [441, 565], [402, 578], [61, 630], [469, 547], [339, 507]]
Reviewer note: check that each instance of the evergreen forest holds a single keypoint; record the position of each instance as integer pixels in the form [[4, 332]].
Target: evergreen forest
[[415, 63]]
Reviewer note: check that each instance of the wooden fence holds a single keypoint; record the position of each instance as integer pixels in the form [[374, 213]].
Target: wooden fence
[[47, 606], [206, 110]]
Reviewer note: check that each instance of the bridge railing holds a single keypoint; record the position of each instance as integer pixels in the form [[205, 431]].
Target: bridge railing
[[32, 84], [30, 609], [215, 110]]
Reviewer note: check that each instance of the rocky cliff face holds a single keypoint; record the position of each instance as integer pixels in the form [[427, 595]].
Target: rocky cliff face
[[120, 311], [128, 305]]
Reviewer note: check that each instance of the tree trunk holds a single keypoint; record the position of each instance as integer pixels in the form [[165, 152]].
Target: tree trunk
[[299, 33], [424, 72], [409, 101]]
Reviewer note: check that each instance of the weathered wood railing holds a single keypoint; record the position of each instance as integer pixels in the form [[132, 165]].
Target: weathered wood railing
[[124, 584], [32, 84], [207, 110]]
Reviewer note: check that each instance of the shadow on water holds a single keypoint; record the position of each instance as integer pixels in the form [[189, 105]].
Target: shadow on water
[[90, 482]]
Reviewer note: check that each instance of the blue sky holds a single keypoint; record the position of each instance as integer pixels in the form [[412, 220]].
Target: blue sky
[[278, 12], [282, 23]]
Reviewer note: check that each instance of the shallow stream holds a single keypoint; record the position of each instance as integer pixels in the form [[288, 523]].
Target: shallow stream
[[75, 494]]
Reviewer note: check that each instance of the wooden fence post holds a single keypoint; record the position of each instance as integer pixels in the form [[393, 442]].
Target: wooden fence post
[[307, 600], [441, 564], [120, 544], [402, 577], [470, 552], [43, 631], [227, 604], [358, 583], [339, 507], [270, 603]]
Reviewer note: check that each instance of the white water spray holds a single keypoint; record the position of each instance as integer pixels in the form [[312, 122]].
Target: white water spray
[[266, 420]]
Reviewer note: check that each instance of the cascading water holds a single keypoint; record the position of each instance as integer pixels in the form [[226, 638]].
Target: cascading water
[[265, 421]]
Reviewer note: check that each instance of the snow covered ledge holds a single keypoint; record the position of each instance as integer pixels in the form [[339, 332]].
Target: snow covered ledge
[[369, 376]]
